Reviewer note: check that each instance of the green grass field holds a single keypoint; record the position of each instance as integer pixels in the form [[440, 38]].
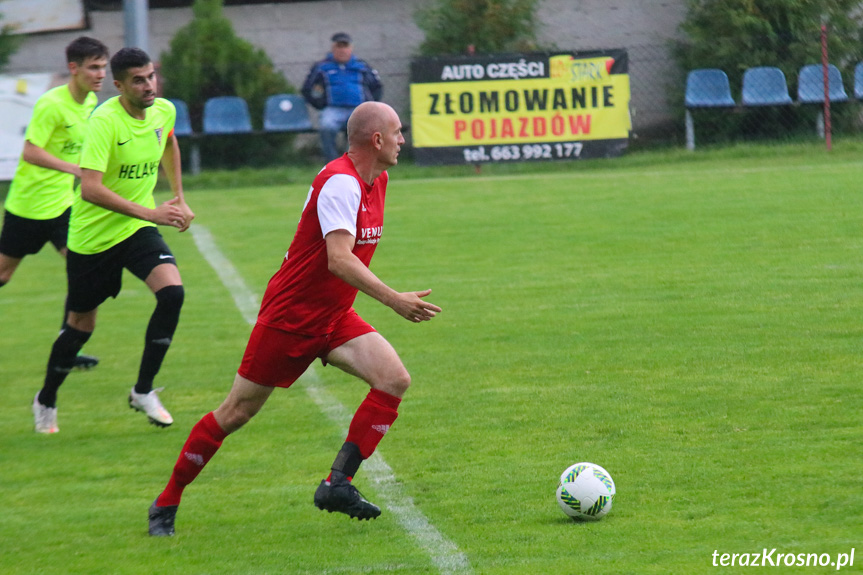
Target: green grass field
[[691, 322]]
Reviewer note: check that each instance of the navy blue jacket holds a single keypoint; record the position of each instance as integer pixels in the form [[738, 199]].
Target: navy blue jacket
[[350, 84]]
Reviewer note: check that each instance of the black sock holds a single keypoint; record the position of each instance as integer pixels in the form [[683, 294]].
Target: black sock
[[60, 363], [2, 283], [347, 463], [163, 323]]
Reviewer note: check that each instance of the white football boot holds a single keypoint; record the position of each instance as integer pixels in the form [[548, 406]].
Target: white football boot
[[44, 417], [149, 403]]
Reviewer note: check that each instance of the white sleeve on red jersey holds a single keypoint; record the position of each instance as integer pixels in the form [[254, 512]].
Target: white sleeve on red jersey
[[338, 204]]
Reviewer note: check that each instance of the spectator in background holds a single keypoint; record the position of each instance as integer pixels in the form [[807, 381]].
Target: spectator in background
[[337, 85]]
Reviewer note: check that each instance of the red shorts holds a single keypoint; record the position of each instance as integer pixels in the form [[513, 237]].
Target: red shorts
[[277, 358]]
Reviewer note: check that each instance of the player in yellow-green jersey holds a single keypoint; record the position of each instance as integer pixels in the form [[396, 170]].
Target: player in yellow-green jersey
[[41, 193], [113, 226]]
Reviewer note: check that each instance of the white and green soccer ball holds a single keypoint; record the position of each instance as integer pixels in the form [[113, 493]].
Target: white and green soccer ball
[[585, 491]]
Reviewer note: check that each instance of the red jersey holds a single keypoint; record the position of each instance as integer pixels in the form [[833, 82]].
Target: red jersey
[[303, 296]]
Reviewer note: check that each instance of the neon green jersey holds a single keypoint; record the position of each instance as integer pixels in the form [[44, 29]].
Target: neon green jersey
[[58, 127], [127, 152]]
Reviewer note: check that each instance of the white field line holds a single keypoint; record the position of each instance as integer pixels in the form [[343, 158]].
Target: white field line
[[443, 552], [445, 555], [246, 301]]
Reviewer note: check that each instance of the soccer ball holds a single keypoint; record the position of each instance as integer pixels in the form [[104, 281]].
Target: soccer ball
[[585, 491]]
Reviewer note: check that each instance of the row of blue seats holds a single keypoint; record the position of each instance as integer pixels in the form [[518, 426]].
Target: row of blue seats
[[230, 115], [766, 86]]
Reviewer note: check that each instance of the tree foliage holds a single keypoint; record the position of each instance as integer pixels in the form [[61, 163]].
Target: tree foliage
[[8, 42], [207, 59], [734, 35], [490, 26]]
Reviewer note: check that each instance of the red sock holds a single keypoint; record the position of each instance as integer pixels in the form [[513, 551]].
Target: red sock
[[203, 442], [372, 420]]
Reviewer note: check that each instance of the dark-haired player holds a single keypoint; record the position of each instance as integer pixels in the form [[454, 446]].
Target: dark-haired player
[[307, 314], [113, 226], [41, 194]]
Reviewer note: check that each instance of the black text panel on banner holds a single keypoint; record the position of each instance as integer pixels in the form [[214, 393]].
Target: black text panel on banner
[[521, 107]]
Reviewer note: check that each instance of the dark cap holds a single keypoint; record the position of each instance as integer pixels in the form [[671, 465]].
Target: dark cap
[[341, 37]]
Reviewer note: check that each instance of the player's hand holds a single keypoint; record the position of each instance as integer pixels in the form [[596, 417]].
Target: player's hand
[[169, 214], [412, 307], [188, 213]]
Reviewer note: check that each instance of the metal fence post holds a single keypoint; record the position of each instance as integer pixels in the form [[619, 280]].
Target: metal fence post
[[828, 128]]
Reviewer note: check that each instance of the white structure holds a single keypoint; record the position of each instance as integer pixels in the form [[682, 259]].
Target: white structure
[[18, 95], [296, 34]]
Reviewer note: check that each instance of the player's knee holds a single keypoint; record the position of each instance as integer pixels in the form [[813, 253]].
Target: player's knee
[[398, 383], [232, 417], [235, 420], [171, 298], [6, 274], [82, 321], [8, 265]]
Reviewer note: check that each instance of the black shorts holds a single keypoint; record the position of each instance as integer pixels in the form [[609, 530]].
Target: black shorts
[[22, 236], [96, 277]]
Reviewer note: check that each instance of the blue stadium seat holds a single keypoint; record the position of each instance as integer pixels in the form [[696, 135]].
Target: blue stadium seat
[[708, 88], [183, 125], [765, 86], [705, 88], [287, 113], [810, 85], [227, 115], [858, 81]]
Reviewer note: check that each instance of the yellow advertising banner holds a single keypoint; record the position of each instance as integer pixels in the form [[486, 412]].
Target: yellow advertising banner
[[461, 104]]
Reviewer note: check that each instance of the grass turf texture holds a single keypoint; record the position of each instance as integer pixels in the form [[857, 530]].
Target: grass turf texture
[[689, 322]]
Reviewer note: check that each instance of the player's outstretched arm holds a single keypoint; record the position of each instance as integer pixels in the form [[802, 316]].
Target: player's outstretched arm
[[171, 164], [37, 156], [95, 192], [346, 266]]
